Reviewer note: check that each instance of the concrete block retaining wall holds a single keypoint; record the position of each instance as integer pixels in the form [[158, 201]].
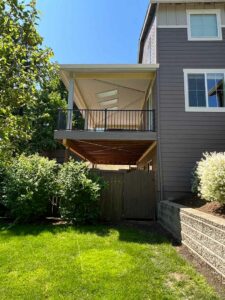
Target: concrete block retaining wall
[[202, 233]]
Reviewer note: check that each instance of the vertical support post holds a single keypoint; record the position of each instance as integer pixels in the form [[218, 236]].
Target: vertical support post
[[66, 155], [86, 127], [70, 104], [153, 121], [105, 119]]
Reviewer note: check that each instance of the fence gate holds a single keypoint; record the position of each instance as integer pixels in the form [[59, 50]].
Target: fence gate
[[139, 195], [129, 195], [112, 196]]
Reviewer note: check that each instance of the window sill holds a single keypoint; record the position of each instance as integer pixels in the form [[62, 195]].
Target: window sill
[[205, 109], [205, 39]]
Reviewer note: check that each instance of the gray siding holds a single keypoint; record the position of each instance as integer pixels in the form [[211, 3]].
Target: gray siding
[[185, 135], [175, 14]]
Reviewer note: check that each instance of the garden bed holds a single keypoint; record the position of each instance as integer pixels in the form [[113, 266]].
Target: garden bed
[[213, 208]]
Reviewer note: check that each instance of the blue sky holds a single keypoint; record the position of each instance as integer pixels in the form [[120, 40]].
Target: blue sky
[[92, 31]]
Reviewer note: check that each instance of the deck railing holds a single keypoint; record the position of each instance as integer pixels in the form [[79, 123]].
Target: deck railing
[[106, 120]]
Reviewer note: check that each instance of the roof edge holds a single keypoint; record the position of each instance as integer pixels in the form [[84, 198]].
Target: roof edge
[[151, 11], [98, 68]]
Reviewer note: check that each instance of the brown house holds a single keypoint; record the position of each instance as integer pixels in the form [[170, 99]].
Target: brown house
[[162, 113]]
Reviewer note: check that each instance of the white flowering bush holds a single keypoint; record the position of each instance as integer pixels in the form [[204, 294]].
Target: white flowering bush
[[210, 174]]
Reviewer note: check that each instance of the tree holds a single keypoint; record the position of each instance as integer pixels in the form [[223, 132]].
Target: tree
[[26, 77], [50, 98]]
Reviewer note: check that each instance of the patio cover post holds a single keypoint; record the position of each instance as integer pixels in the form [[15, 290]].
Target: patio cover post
[[70, 104]]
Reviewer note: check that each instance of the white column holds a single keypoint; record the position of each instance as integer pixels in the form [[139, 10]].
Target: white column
[[86, 125], [70, 104]]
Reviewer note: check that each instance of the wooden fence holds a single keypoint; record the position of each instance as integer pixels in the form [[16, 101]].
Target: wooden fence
[[129, 195]]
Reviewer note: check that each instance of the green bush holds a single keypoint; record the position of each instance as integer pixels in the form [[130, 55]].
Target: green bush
[[2, 178], [29, 182], [28, 186], [79, 193], [210, 177], [194, 181]]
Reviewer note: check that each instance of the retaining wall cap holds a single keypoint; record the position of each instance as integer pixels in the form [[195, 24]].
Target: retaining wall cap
[[198, 213]]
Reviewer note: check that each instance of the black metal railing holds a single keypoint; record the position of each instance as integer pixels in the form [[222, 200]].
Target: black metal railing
[[106, 120]]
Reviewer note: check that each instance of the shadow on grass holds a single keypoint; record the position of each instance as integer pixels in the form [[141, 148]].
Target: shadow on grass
[[150, 235]]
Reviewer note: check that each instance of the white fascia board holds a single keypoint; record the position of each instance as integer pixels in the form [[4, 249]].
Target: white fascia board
[[145, 20], [107, 68]]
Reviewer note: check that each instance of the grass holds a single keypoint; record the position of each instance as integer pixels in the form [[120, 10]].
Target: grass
[[60, 262]]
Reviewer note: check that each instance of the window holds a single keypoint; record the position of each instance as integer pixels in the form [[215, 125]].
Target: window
[[204, 90], [204, 25]]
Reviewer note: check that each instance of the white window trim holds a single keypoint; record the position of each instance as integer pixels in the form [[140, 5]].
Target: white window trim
[[204, 12], [200, 109]]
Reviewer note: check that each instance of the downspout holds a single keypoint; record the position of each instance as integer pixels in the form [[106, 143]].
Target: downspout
[[159, 155]]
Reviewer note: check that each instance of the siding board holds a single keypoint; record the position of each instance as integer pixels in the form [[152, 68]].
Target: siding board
[[185, 135], [175, 14]]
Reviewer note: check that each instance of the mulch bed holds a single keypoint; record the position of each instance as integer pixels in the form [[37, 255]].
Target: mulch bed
[[213, 208]]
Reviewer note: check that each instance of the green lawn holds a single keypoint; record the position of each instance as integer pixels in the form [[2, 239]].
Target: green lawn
[[59, 262]]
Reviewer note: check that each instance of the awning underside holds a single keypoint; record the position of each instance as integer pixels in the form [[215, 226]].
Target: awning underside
[[110, 152], [109, 86], [125, 93]]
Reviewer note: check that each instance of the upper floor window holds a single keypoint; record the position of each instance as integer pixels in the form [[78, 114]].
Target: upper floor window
[[204, 90], [204, 25]]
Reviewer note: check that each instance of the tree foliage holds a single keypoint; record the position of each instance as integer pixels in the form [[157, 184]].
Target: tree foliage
[[50, 98], [28, 80]]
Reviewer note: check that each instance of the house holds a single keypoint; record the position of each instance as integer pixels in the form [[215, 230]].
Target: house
[[162, 113]]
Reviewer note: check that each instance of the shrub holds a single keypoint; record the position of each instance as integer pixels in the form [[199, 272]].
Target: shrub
[[28, 186], [2, 177], [79, 193], [210, 173], [194, 181]]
